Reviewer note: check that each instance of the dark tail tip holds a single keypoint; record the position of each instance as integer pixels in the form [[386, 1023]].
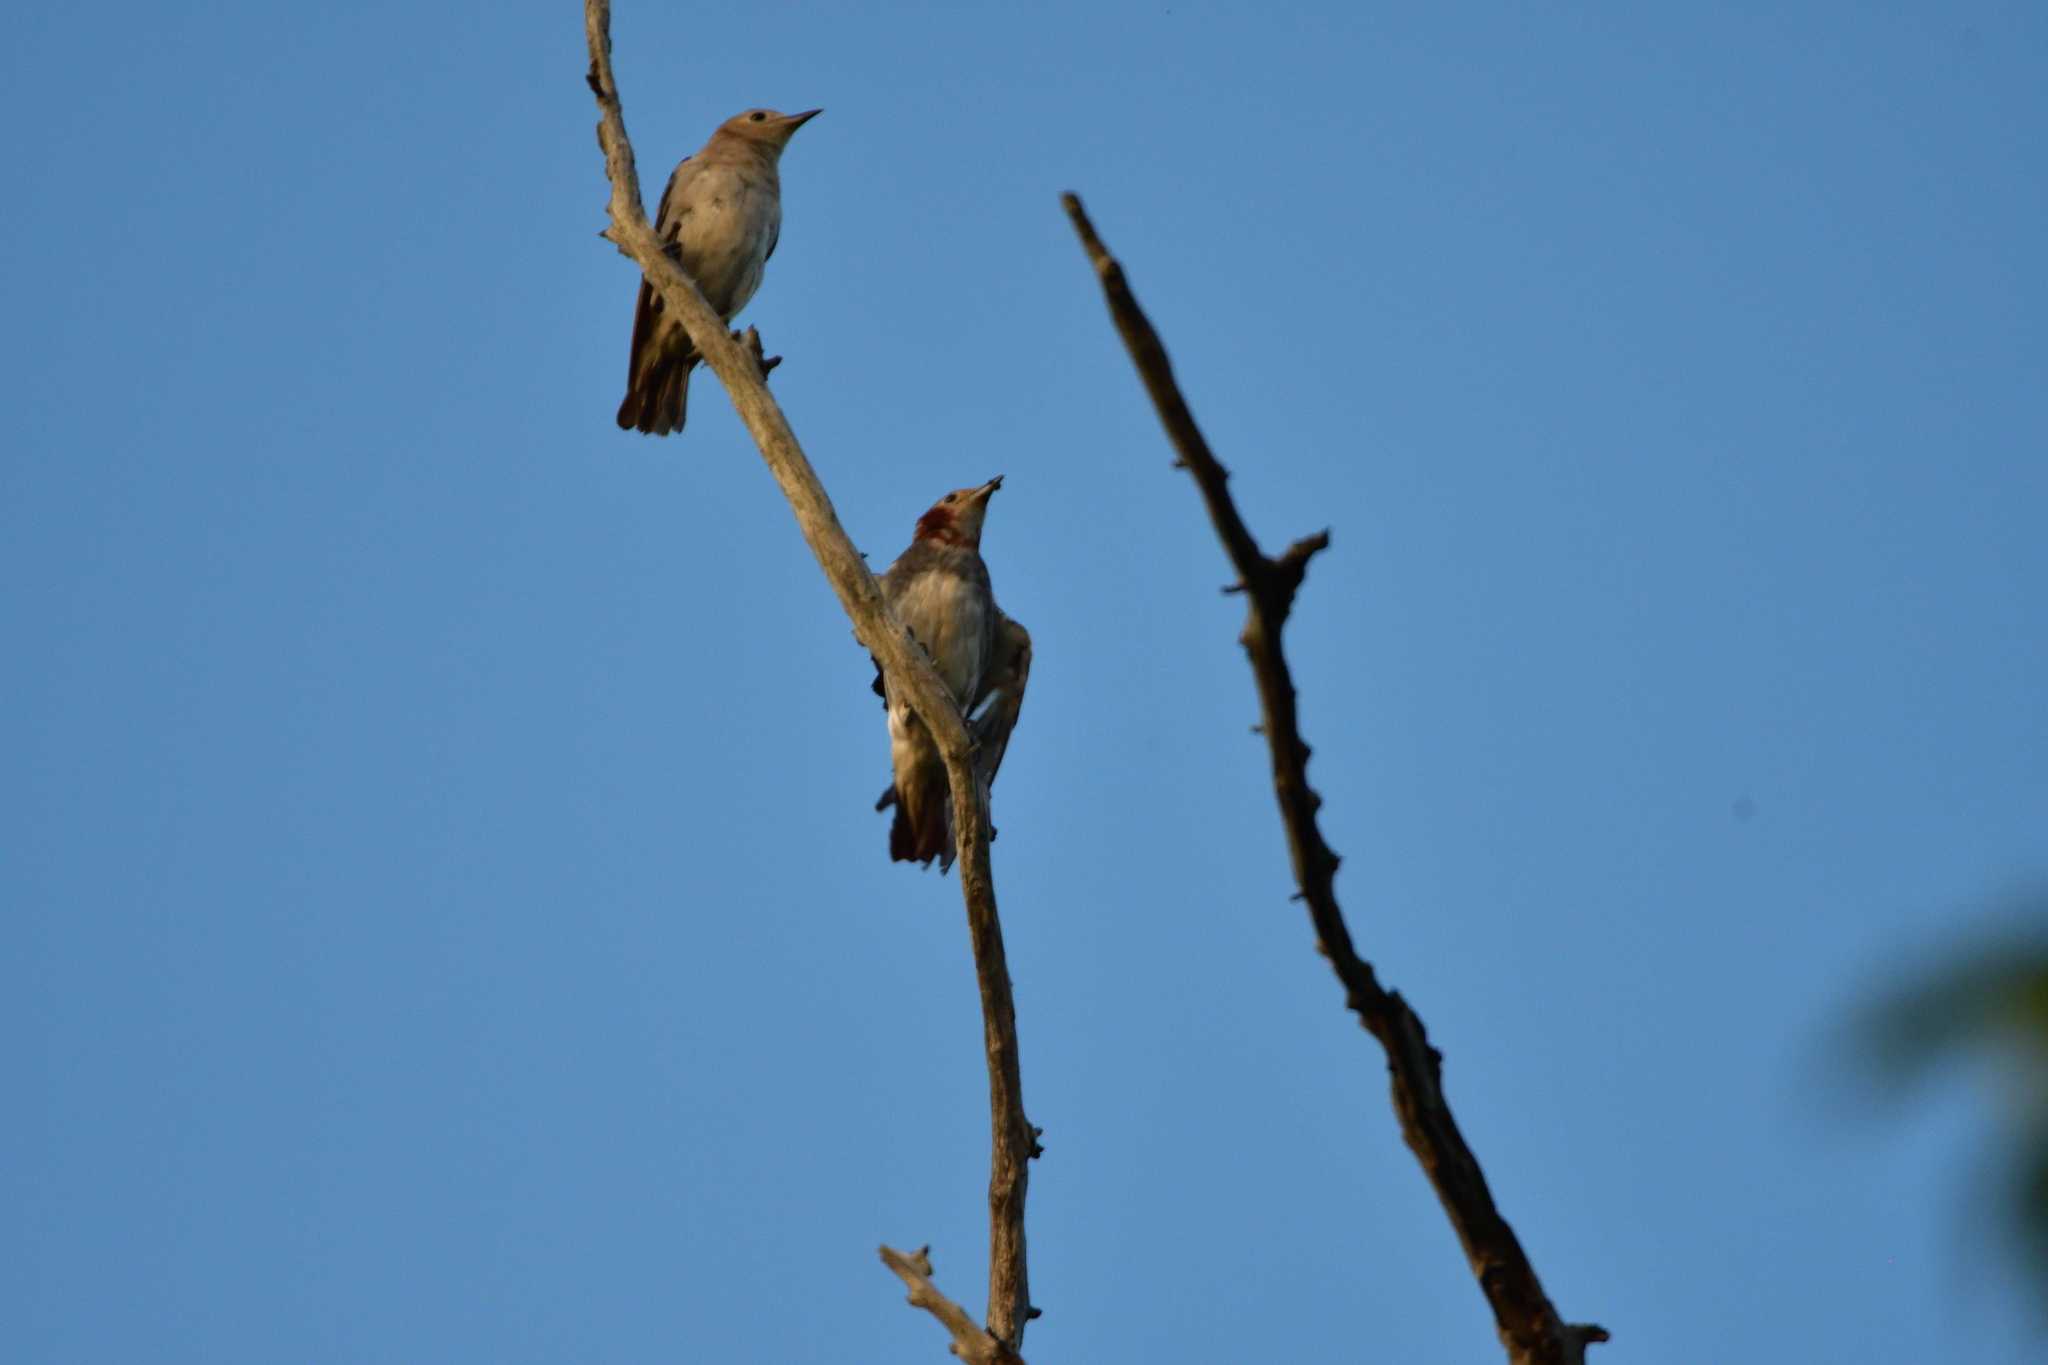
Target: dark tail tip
[[902, 843], [910, 844], [657, 403]]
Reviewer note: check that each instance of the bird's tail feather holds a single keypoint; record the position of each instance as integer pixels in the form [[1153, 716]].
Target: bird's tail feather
[[923, 827], [657, 401]]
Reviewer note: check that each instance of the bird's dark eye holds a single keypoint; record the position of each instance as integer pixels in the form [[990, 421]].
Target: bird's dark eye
[[757, 116], [951, 497]]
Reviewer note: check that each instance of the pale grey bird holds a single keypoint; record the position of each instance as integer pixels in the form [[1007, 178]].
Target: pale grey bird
[[939, 588], [720, 216]]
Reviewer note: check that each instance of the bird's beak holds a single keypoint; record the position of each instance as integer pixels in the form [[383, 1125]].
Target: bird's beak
[[982, 493], [792, 122]]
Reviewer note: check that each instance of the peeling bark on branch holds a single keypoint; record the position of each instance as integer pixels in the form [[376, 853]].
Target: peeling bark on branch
[[741, 367], [1529, 1325]]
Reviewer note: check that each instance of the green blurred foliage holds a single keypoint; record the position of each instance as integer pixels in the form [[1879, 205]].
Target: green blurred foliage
[[1986, 1005]]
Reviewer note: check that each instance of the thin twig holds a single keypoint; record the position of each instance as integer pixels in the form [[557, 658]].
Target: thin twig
[[740, 367], [970, 1342], [1529, 1325]]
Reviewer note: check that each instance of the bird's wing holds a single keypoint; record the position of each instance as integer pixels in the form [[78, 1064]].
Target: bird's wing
[[669, 213], [648, 308], [1001, 700], [889, 581], [646, 316]]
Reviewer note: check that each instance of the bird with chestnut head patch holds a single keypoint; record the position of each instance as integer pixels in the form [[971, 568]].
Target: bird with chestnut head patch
[[939, 588]]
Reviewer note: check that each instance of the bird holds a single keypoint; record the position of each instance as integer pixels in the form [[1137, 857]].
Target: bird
[[939, 588], [719, 218]]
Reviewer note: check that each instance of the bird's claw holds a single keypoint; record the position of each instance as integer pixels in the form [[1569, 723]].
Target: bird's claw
[[751, 340]]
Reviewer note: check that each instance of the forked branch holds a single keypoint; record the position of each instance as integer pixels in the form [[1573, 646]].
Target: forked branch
[[1529, 1325], [970, 1342], [741, 368]]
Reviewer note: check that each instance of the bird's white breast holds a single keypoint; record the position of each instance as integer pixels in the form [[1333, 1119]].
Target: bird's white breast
[[729, 221], [944, 611]]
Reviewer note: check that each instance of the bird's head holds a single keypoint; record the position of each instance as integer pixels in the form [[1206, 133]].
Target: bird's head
[[766, 129], [956, 518]]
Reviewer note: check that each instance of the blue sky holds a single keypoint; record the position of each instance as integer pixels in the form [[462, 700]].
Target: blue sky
[[444, 919]]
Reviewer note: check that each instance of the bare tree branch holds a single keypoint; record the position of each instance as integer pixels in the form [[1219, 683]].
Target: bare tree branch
[[970, 1342], [742, 370], [1529, 1326]]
